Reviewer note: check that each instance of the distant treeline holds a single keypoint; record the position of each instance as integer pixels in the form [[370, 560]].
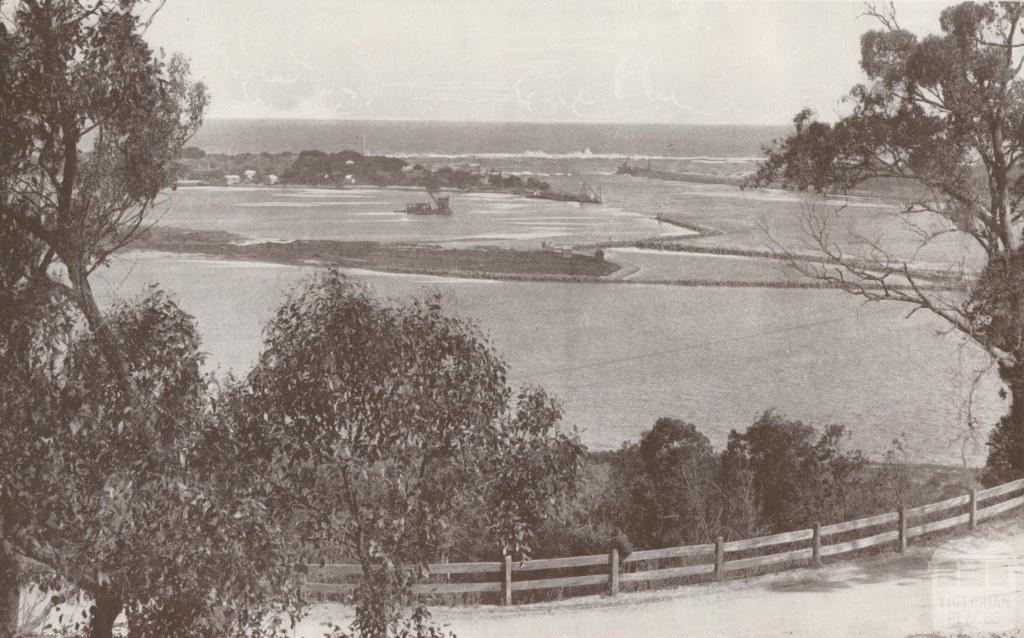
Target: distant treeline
[[344, 168]]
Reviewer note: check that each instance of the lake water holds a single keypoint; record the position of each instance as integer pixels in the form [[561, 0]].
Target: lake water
[[621, 355], [369, 214], [618, 355]]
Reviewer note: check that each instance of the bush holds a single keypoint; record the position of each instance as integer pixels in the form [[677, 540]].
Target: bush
[[673, 489], [798, 478], [1005, 460], [676, 492]]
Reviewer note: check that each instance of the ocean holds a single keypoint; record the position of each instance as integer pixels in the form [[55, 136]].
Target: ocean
[[485, 139]]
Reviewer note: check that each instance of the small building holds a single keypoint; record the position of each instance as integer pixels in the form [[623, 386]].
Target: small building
[[272, 179], [232, 180], [350, 179], [250, 175]]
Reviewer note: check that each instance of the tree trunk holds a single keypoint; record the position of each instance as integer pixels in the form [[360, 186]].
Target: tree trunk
[[87, 303], [10, 591], [107, 609]]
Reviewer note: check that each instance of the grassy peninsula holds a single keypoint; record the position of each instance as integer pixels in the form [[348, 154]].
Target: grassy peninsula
[[390, 257]]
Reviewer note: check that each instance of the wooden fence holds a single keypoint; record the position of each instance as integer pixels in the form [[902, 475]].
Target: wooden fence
[[712, 560]]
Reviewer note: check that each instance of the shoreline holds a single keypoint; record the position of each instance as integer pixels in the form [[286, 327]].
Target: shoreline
[[411, 258], [485, 264], [185, 185]]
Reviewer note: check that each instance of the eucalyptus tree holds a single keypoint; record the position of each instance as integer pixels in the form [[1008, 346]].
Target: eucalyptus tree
[[90, 119], [941, 123], [134, 506], [376, 422]]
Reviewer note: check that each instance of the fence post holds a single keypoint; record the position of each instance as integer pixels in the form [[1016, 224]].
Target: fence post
[[902, 547], [974, 508], [719, 559], [816, 551], [613, 572], [507, 585]]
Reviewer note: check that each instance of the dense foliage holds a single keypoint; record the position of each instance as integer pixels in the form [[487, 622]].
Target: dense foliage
[[375, 423], [672, 488], [90, 121], [346, 168], [776, 475], [669, 481], [111, 491], [799, 477], [317, 167]]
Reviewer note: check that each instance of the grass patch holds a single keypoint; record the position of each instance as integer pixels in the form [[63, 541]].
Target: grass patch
[[391, 257]]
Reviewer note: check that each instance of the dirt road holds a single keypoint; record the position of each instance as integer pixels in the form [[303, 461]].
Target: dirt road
[[887, 595]]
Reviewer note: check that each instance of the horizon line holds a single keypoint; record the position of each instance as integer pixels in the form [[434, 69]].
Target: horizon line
[[440, 121]]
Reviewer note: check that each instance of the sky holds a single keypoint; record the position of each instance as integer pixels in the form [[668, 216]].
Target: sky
[[525, 60]]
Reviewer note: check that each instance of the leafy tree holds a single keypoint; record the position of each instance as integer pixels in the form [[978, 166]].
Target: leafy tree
[[32, 324], [679, 469], [375, 422], [125, 505], [798, 477], [741, 516], [942, 118], [664, 488], [528, 465], [90, 120]]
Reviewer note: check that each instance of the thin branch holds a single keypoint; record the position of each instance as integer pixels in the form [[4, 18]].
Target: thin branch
[[872, 279]]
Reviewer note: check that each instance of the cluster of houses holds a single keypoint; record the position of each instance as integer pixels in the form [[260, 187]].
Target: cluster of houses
[[195, 167], [250, 177], [219, 179]]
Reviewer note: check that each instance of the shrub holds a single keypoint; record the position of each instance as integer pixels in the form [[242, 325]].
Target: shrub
[[797, 479], [662, 491], [1005, 460]]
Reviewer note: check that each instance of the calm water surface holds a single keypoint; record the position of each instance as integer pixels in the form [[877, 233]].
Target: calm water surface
[[620, 356], [370, 214]]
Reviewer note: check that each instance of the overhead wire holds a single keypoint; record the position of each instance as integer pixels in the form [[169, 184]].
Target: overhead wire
[[691, 346]]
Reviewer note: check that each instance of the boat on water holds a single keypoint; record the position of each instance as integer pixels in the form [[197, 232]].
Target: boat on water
[[587, 195], [440, 206]]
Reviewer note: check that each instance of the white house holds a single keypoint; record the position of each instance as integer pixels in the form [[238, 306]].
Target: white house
[[232, 180]]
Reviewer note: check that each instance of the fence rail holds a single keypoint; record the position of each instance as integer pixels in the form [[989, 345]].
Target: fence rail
[[714, 557]]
